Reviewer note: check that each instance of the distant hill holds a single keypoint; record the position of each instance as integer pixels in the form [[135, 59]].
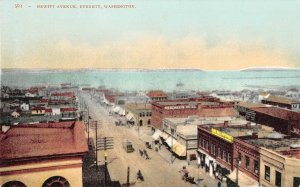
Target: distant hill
[[269, 69], [91, 69]]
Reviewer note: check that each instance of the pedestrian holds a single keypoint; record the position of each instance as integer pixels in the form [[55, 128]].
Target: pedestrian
[[141, 153], [147, 157], [219, 184], [139, 176]]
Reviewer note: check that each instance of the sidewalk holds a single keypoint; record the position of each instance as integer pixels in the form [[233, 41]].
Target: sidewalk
[[165, 154]]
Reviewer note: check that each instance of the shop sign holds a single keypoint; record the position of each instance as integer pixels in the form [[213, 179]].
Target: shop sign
[[222, 135]]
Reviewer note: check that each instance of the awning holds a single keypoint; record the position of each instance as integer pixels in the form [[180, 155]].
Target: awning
[[244, 180], [179, 149], [171, 141], [105, 101], [156, 134], [116, 109], [165, 136], [129, 116], [122, 112]]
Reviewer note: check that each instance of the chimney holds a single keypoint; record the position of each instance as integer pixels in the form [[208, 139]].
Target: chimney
[[225, 123]]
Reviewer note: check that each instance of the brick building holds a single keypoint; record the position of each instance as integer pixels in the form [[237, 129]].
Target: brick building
[[157, 95], [202, 107], [282, 120], [222, 146]]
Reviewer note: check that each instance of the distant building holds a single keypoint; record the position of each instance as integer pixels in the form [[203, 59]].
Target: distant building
[[24, 107], [282, 102], [139, 113], [36, 111], [45, 155], [293, 94], [57, 98], [28, 94], [263, 95], [157, 95]]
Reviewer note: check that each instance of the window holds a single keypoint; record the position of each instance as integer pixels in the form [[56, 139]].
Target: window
[[256, 167], [206, 144], [239, 158], [149, 113], [213, 149], [225, 156], [277, 179], [267, 173], [296, 182], [229, 158], [56, 181], [14, 184], [247, 162], [143, 114], [219, 152], [140, 114]]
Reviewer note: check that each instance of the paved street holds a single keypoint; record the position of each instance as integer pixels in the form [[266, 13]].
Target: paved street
[[157, 171]]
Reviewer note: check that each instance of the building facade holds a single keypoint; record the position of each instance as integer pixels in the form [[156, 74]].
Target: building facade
[[140, 112], [282, 120], [279, 170], [181, 108]]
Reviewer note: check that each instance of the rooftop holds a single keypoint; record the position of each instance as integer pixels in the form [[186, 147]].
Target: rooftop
[[279, 144], [156, 93], [279, 99], [138, 106], [251, 105], [237, 130], [198, 120], [279, 113], [42, 140]]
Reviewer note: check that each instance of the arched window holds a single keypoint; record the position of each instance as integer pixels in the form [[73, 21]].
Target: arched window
[[149, 121], [14, 184], [56, 181], [141, 122]]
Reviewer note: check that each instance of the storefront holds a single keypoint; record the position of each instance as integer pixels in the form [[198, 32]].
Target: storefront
[[207, 162]]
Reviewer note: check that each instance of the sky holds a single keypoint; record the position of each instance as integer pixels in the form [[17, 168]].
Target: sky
[[208, 35]]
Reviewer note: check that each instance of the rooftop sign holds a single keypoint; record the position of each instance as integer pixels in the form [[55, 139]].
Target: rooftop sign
[[222, 135], [179, 107]]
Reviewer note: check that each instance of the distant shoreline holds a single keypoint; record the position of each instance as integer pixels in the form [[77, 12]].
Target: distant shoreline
[[96, 69], [269, 69]]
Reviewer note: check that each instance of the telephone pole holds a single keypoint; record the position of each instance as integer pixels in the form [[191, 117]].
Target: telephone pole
[[104, 144]]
